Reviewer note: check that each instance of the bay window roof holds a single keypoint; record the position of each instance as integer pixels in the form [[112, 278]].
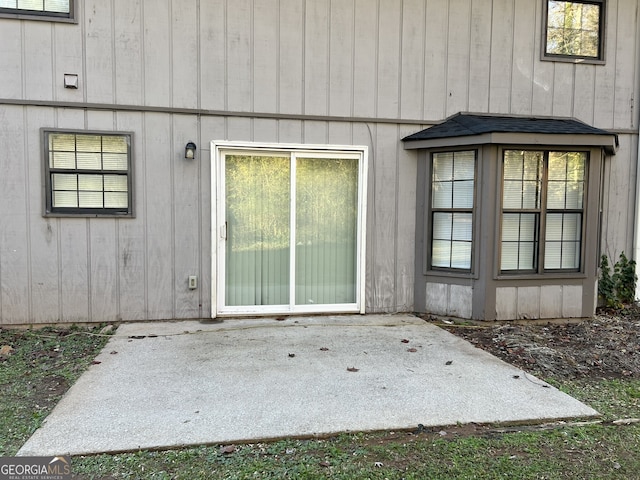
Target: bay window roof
[[469, 129]]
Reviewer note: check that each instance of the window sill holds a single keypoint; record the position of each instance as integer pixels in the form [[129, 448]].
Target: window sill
[[573, 60], [87, 215], [540, 276], [41, 17]]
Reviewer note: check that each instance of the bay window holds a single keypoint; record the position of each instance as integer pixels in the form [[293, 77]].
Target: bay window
[[452, 200], [542, 211]]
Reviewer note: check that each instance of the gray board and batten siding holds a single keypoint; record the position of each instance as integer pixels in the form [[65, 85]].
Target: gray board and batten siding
[[338, 72]]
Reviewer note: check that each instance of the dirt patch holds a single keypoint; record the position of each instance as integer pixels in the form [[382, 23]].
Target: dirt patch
[[607, 346]]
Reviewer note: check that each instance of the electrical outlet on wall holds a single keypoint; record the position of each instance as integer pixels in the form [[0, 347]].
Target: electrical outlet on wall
[[193, 282]]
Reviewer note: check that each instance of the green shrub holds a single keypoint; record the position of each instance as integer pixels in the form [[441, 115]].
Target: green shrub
[[619, 288]]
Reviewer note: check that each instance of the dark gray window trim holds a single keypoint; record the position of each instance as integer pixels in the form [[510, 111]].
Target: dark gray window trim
[[46, 16], [429, 269], [600, 60], [540, 271], [80, 212]]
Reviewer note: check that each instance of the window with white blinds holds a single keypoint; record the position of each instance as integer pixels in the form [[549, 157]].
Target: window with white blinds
[[452, 201], [88, 173], [542, 211]]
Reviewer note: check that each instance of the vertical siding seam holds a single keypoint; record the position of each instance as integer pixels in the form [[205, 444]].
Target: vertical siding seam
[[89, 267], [199, 165], [88, 243], [328, 99], [59, 264], [198, 63], [170, 77], [81, 20], [225, 48], [400, 45], [396, 226], [536, 46], [145, 222], [377, 60], [445, 100], [278, 64], [53, 61], [59, 269], [424, 60], [353, 61], [636, 76], [117, 243], [142, 56], [28, 217], [172, 176], [489, 83], [572, 106], [200, 222], [114, 63], [23, 58], [252, 59], [513, 61], [374, 276], [303, 63], [470, 32]]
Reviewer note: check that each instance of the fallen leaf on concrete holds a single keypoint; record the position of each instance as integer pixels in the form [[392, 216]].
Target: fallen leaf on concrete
[[291, 355], [412, 349], [96, 362], [449, 362], [113, 352], [404, 340], [324, 349], [352, 369]]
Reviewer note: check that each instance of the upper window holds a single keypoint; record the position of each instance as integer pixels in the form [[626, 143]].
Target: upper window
[[88, 174], [38, 9], [574, 30], [542, 211], [452, 195]]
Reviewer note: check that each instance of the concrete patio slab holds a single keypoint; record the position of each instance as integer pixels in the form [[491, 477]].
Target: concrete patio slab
[[171, 384]]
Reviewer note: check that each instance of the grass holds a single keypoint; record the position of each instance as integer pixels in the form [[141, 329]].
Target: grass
[[41, 366], [45, 362]]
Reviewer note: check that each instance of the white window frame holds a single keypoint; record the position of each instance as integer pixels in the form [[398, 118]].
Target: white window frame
[[44, 14], [218, 207]]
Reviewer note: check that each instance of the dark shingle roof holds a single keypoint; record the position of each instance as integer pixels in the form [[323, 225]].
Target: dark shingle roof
[[465, 124]]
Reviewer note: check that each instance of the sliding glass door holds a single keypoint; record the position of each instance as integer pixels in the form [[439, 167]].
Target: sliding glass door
[[292, 235]]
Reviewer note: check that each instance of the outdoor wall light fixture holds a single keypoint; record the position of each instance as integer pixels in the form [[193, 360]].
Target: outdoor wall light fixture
[[190, 151]]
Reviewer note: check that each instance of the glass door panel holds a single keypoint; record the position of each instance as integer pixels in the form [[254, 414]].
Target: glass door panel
[[257, 212], [326, 220]]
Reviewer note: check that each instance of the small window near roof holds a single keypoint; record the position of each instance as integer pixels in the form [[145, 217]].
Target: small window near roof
[[452, 200], [61, 10], [574, 30], [88, 174]]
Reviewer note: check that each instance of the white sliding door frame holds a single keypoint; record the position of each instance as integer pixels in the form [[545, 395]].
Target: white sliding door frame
[[218, 210]]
